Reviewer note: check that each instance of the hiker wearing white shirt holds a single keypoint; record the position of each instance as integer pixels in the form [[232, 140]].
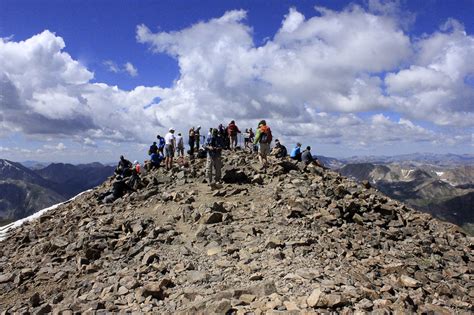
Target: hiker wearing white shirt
[[170, 145]]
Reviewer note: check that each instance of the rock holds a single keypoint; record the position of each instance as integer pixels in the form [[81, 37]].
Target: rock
[[434, 309], [211, 218], [154, 289], [256, 277], [129, 282], [35, 300], [232, 175], [358, 219], [291, 306], [197, 276], [44, 309], [313, 299], [122, 291], [6, 277], [219, 307], [331, 300], [365, 304], [150, 257], [92, 254], [214, 251], [247, 298], [274, 243], [409, 281], [257, 179]]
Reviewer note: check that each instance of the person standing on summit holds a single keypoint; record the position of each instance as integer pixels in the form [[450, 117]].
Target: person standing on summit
[[214, 145], [180, 145], [170, 145], [197, 137], [232, 131], [263, 137], [192, 141]]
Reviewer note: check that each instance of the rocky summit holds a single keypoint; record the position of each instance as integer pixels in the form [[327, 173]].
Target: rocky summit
[[291, 239]]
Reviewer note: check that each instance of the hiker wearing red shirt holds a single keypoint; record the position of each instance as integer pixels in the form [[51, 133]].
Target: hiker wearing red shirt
[[232, 131]]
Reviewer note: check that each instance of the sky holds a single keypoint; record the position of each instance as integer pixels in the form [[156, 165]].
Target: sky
[[84, 81]]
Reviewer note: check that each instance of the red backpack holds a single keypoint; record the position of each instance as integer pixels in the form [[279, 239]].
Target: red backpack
[[266, 134]]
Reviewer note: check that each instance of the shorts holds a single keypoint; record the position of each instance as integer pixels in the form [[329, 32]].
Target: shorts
[[264, 149], [169, 150]]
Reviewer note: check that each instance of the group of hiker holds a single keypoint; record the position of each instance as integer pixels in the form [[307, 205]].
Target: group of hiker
[[210, 147]]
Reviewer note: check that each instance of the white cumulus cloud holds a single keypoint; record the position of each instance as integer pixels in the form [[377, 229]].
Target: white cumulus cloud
[[316, 78]]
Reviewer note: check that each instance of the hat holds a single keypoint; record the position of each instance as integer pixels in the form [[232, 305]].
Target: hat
[[276, 140], [171, 129], [135, 162]]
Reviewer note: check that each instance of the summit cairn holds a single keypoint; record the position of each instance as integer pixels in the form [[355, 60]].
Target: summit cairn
[[290, 238]]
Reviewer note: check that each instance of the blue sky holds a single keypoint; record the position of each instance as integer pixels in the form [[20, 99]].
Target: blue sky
[[172, 51]]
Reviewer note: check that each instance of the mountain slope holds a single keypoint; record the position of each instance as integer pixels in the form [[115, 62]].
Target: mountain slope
[[19, 198], [24, 191], [423, 188], [292, 239]]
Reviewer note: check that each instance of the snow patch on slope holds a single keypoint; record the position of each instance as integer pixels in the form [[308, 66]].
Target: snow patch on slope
[[5, 229]]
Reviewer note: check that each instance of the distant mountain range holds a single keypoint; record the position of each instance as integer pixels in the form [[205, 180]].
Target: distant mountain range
[[415, 159], [24, 191], [441, 187]]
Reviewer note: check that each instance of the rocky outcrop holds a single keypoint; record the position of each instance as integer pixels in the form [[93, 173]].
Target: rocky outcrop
[[289, 239]]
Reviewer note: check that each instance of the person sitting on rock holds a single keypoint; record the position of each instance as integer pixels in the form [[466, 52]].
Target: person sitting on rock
[[308, 158], [134, 182], [214, 146], [296, 152], [154, 162], [153, 149], [124, 167], [279, 151], [119, 188], [136, 166]]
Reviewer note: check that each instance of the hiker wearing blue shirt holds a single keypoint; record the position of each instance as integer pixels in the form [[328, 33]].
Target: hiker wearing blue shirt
[[156, 159], [214, 145], [296, 152], [161, 144]]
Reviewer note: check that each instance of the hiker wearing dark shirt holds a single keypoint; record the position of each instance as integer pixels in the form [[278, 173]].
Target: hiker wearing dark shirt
[[119, 188], [192, 140], [197, 137], [279, 151], [153, 149], [214, 145], [307, 158], [124, 167]]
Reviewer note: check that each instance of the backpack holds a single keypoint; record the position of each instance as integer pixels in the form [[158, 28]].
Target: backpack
[[266, 134]]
